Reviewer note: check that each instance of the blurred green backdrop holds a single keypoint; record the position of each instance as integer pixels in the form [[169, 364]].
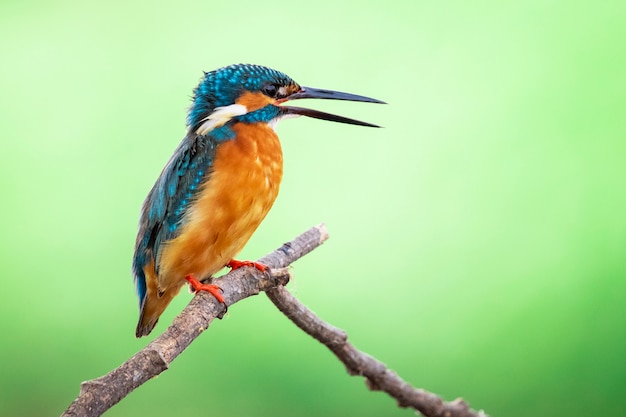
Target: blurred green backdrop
[[477, 242]]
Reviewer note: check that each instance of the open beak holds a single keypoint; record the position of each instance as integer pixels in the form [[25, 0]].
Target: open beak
[[308, 92]]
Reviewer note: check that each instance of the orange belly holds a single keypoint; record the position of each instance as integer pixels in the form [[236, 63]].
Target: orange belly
[[240, 192]]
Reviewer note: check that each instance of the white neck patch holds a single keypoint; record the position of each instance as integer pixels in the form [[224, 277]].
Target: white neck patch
[[220, 116]]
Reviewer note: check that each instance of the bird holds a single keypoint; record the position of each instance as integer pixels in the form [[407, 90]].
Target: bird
[[219, 184]]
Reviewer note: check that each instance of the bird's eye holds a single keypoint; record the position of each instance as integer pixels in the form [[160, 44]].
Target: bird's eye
[[270, 90]]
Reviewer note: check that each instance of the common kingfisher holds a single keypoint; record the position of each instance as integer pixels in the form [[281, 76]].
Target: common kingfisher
[[219, 184]]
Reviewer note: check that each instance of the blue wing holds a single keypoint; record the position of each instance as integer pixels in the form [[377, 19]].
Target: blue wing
[[162, 213]]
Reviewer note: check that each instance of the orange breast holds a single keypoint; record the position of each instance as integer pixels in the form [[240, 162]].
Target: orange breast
[[231, 204]]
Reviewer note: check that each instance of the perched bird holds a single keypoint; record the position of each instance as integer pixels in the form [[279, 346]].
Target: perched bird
[[220, 183]]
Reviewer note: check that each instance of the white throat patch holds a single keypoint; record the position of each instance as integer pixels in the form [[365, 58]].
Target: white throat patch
[[220, 116], [275, 120]]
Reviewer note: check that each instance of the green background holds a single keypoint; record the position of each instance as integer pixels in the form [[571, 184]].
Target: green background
[[477, 241]]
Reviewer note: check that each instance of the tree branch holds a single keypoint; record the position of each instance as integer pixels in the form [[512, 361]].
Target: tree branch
[[377, 376], [98, 395]]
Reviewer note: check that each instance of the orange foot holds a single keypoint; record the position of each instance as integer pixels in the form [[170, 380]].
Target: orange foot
[[214, 290], [234, 264]]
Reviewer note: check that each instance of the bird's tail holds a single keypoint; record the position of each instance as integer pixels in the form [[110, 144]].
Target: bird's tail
[[150, 313], [153, 305]]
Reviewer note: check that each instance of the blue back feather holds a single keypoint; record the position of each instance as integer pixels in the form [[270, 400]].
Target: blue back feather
[[163, 211]]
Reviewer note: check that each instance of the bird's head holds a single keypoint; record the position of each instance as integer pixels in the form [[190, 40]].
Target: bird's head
[[254, 94]]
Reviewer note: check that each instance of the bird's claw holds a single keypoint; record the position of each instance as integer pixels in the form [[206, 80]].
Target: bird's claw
[[235, 264], [212, 289]]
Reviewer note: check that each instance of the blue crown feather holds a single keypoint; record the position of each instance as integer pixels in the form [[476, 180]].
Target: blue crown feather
[[222, 87]]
